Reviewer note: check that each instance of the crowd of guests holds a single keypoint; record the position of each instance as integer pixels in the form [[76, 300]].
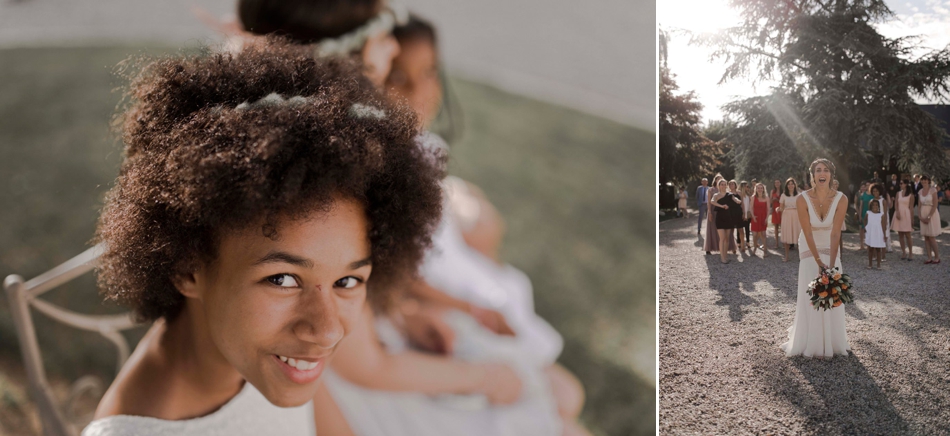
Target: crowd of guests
[[738, 215]]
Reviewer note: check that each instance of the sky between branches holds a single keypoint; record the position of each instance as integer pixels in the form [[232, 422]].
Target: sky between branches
[[928, 19]]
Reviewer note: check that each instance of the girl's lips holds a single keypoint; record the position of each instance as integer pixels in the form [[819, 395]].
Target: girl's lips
[[300, 376]]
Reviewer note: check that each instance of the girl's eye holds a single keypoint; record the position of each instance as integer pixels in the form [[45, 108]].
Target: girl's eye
[[347, 282], [283, 280]]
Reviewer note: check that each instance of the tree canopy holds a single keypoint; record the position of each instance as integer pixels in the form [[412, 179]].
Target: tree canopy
[[843, 90], [685, 153]]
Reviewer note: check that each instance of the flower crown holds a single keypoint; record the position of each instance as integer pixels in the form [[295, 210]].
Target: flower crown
[[357, 110], [384, 22]]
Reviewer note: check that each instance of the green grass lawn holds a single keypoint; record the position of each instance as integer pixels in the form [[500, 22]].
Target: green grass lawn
[[576, 192]]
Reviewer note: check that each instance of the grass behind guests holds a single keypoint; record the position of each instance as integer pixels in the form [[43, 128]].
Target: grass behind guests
[[576, 191]]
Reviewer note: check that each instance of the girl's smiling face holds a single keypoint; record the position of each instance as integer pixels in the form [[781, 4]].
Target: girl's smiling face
[[276, 307]]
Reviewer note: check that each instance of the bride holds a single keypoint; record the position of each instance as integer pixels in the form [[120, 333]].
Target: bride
[[821, 211]]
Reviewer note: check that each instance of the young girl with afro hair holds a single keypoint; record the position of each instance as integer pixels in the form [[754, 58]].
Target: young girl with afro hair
[[263, 198]]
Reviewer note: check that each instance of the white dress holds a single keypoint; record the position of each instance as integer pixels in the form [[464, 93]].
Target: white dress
[[874, 237], [248, 413], [458, 270], [386, 413], [816, 333], [464, 273]]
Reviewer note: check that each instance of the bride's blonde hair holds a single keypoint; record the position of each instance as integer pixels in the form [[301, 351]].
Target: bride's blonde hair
[[820, 160]]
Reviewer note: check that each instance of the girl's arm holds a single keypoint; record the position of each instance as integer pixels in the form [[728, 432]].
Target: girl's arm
[[490, 319], [361, 359]]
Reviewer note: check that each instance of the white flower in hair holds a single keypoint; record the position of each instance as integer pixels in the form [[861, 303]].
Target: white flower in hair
[[360, 110], [274, 99], [354, 40]]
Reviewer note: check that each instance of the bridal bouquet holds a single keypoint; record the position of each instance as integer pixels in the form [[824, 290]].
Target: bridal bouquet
[[830, 289]]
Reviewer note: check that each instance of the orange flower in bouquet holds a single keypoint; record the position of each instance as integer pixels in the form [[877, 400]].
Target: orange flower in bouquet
[[830, 289]]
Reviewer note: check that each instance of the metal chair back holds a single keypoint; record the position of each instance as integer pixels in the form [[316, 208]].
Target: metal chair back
[[23, 295]]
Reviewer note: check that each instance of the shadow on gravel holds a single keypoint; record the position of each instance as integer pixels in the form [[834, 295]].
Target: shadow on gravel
[[615, 390], [837, 396], [730, 288]]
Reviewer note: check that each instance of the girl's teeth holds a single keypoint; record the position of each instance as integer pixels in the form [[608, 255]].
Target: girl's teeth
[[301, 365]]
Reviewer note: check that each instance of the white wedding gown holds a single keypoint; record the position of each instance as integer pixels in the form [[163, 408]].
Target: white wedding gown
[[816, 333]]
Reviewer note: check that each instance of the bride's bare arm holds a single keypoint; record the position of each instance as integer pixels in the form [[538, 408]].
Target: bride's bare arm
[[361, 359], [805, 222], [840, 211]]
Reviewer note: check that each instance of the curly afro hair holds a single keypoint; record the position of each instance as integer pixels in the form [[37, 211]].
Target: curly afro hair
[[197, 165]]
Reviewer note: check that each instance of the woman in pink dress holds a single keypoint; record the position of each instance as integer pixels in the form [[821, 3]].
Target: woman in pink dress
[[789, 208], [903, 220], [774, 205], [929, 220]]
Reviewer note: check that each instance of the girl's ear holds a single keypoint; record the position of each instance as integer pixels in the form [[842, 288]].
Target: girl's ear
[[187, 285]]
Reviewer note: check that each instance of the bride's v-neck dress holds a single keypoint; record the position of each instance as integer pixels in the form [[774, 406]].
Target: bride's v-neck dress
[[816, 333]]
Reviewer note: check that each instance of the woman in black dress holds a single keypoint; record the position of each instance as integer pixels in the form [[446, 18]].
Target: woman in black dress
[[728, 216]]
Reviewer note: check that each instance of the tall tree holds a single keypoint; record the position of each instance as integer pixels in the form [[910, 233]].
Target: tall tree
[[844, 91], [685, 154], [722, 133], [768, 143]]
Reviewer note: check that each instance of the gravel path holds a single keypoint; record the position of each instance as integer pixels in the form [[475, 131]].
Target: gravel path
[[722, 372]]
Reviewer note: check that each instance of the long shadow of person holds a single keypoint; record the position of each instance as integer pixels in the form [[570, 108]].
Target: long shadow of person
[[725, 280], [836, 396]]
